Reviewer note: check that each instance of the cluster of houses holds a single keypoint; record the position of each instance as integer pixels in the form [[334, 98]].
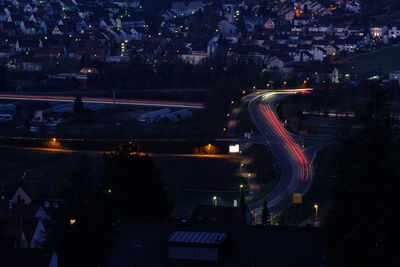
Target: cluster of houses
[[212, 235], [23, 229], [274, 34]]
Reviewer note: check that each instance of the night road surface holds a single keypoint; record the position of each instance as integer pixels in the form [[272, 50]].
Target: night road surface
[[296, 172], [98, 100]]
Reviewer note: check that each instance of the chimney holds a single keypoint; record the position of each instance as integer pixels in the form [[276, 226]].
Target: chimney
[[10, 205]]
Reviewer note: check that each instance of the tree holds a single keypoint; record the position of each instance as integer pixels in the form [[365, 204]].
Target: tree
[[78, 106], [135, 184], [80, 228], [265, 215], [3, 79], [362, 225], [244, 208]]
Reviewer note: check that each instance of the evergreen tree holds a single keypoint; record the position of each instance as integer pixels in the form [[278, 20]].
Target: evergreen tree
[[3, 79], [265, 215], [135, 184], [80, 228], [244, 209], [78, 106], [362, 226]]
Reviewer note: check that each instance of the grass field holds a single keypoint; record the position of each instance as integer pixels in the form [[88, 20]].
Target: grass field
[[185, 201], [209, 174], [190, 180], [384, 60], [244, 122]]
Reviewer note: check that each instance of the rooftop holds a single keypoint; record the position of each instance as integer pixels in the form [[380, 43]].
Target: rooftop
[[197, 237], [143, 244]]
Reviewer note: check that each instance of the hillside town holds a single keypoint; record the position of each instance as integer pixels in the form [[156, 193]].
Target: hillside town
[[199, 133], [73, 39]]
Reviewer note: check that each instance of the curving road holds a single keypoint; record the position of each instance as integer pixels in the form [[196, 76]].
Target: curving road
[[296, 172]]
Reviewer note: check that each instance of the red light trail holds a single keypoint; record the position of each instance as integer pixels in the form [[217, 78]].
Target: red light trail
[[290, 142], [103, 100]]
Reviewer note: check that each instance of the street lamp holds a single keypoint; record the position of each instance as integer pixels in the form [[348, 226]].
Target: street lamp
[[215, 200], [316, 213], [241, 186]]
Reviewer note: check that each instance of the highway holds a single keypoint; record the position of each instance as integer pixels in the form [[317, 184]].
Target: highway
[[132, 102], [296, 172]]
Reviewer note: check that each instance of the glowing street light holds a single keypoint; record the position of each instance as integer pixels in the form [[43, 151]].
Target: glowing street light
[[215, 200], [241, 186], [72, 221], [316, 213]]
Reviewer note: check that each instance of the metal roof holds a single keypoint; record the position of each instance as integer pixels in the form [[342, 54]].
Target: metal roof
[[197, 237]]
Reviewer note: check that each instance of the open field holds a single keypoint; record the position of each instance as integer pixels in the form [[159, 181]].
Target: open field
[[185, 201], [385, 61], [198, 173], [244, 122], [190, 180]]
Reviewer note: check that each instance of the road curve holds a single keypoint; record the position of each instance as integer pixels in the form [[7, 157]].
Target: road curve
[[99, 100], [296, 172]]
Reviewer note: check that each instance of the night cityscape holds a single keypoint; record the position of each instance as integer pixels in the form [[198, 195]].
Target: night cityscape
[[163, 133]]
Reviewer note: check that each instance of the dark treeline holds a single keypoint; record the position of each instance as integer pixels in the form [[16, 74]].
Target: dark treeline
[[362, 226], [82, 228], [138, 74]]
